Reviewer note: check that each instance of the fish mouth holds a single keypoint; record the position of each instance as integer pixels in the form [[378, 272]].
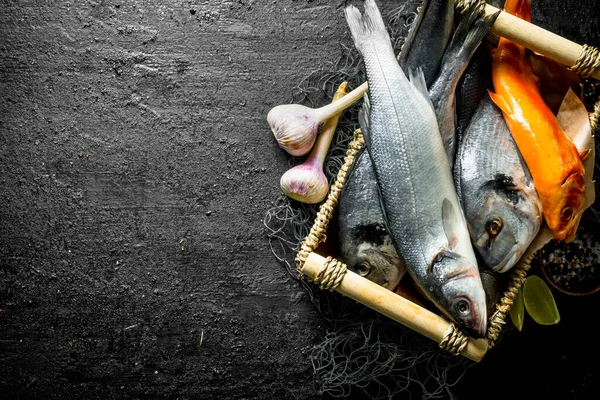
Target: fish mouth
[[569, 234], [506, 263], [479, 331], [476, 327], [510, 259], [476, 332], [517, 240]]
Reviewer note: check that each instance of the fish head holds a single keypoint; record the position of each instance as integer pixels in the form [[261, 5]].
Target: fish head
[[565, 206], [377, 262], [503, 222], [461, 292]]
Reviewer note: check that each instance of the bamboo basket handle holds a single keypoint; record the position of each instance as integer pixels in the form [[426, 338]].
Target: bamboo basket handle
[[332, 274], [584, 60]]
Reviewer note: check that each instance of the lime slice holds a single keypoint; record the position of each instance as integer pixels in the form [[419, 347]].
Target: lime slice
[[517, 311], [539, 302]]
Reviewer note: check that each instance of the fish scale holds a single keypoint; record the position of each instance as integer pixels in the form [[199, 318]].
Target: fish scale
[[391, 155]]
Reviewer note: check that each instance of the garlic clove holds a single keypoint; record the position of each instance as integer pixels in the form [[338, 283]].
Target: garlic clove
[[295, 127], [306, 183]]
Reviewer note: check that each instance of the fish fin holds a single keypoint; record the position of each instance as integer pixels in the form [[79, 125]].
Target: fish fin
[[456, 171], [366, 27], [583, 155], [574, 180], [501, 103], [364, 116], [519, 8], [431, 13], [469, 34], [416, 77], [451, 142], [448, 265], [450, 219], [412, 34], [360, 153], [383, 212]]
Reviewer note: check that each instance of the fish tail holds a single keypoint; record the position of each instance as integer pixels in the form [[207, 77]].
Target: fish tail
[[519, 8], [367, 27], [469, 34]]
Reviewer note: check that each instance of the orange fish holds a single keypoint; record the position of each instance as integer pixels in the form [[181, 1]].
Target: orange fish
[[553, 160]]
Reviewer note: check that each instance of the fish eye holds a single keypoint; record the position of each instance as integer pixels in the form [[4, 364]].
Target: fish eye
[[566, 214], [463, 307], [363, 268], [494, 226]]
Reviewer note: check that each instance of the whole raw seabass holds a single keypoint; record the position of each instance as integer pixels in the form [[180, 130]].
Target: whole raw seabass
[[417, 192]]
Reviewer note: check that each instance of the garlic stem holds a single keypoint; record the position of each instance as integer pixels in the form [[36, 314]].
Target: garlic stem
[[321, 147], [336, 107]]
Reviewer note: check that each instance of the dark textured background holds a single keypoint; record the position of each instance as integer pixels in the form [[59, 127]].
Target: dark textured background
[[136, 167]]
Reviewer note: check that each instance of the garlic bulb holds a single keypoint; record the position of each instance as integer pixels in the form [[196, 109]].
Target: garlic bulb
[[296, 126], [307, 182]]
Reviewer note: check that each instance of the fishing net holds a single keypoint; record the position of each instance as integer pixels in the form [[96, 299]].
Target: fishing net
[[362, 352]]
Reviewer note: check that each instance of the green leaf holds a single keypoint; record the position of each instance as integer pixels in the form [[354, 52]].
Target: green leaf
[[517, 311], [539, 301]]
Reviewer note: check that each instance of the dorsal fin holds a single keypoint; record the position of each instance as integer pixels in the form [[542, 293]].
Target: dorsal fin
[[364, 118], [428, 37], [416, 77]]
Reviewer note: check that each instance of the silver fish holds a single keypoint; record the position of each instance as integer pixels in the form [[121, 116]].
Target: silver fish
[[417, 193], [428, 37], [469, 33], [501, 205], [365, 244]]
